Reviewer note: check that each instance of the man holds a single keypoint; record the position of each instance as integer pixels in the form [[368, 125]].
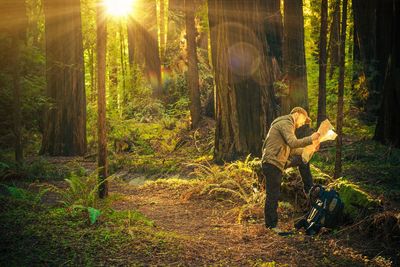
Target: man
[[281, 150]]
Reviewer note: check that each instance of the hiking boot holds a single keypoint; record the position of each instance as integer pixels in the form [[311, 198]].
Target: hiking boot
[[276, 230], [280, 232]]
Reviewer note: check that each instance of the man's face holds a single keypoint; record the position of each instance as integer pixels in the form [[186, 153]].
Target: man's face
[[301, 120]]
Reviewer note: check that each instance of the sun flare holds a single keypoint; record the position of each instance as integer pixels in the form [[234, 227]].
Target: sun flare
[[119, 8]]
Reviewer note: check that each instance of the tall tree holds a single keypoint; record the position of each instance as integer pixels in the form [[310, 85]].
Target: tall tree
[[334, 38], [175, 19], [384, 35], [365, 33], [143, 43], [14, 23], [101, 27], [193, 72], [339, 117], [65, 120], [294, 59], [388, 127], [372, 43], [322, 63], [274, 29], [162, 29], [244, 96]]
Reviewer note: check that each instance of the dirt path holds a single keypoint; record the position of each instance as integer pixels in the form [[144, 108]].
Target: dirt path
[[213, 238]]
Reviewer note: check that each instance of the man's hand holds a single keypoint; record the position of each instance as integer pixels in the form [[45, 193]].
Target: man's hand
[[316, 144], [315, 136]]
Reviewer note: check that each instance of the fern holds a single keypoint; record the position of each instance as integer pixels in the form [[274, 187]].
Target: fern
[[229, 191], [236, 179], [80, 191], [22, 194]]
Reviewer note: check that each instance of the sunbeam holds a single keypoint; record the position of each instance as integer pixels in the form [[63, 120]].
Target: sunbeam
[[119, 8]]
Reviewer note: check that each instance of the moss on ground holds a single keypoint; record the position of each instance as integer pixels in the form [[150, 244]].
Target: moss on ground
[[38, 235], [356, 201]]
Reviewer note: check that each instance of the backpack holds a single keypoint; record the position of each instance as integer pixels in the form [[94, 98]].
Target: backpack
[[326, 210]]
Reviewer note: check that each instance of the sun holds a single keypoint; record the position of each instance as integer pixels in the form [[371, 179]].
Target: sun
[[118, 8]]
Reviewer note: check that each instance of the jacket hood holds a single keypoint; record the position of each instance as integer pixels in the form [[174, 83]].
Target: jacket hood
[[282, 118]]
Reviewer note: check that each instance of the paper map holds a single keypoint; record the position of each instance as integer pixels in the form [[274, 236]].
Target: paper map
[[326, 132]]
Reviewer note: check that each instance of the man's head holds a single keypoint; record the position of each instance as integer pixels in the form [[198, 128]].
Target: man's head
[[300, 116]]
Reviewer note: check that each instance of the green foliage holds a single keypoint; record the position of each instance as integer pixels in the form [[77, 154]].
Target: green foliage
[[81, 190], [37, 235], [262, 263], [234, 182], [82, 194], [41, 169], [37, 169], [311, 32], [129, 218], [32, 98], [320, 177], [93, 214], [368, 162], [25, 195]]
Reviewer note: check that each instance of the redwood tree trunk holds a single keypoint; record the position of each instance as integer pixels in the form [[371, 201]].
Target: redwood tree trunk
[[65, 121], [143, 44], [274, 29], [193, 72], [244, 109], [388, 128], [14, 23], [334, 38], [101, 26], [339, 118], [16, 43], [322, 63], [162, 29], [365, 37], [294, 59]]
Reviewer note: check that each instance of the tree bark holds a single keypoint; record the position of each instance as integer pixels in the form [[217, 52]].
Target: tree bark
[[92, 97], [14, 24], [162, 30], [365, 33], [294, 60], [101, 26], [244, 93], [193, 72], [65, 121], [143, 44], [17, 113], [334, 38], [274, 29], [322, 63], [339, 118], [388, 127], [384, 40]]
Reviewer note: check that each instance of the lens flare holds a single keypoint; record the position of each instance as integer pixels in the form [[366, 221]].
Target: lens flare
[[118, 8]]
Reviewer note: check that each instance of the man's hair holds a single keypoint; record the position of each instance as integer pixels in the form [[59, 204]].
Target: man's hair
[[301, 111]]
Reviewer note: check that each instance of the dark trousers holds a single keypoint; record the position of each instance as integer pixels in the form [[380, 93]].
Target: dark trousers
[[273, 178], [304, 169]]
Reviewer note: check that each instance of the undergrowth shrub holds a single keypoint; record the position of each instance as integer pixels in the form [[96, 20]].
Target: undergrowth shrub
[[25, 195], [38, 169], [235, 182], [82, 194]]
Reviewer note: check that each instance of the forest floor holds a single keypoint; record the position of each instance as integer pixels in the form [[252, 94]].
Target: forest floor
[[155, 215], [194, 231], [212, 235]]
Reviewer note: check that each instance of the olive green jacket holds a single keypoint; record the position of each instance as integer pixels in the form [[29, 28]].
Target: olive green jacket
[[281, 142]]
